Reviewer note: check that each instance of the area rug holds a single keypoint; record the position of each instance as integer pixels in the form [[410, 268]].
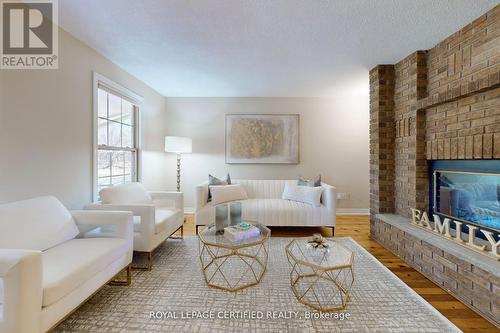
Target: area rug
[[175, 290]]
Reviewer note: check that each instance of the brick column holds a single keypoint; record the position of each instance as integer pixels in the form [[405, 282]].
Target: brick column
[[410, 184], [421, 167], [381, 140]]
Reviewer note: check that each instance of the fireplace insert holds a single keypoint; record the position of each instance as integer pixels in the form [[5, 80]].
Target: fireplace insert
[[467, 191]]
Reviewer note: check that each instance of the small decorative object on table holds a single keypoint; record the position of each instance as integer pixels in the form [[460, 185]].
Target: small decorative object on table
[[227, 215], [244, 225], [221, 220], [317, 241], [234, 213], [241, 232]]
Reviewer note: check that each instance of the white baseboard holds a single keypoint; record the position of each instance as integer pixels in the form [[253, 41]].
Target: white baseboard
[[353, 211], [340, 211]]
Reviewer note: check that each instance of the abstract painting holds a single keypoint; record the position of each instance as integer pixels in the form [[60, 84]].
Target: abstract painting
[[262, 139]]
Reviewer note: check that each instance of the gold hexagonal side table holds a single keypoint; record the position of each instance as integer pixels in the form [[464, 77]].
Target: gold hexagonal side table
[[232, 266], [320, 278]]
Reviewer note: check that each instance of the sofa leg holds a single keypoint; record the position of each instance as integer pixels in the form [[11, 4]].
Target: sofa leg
[[333, 231], [197, 229], [126, 282], [149, 264], [181, 228]]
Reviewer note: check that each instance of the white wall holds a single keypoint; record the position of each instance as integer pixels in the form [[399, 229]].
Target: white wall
[[46, 124], [46, 133], [333, 142]]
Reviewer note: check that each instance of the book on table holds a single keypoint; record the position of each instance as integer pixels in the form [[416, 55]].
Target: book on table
[[237, 234]]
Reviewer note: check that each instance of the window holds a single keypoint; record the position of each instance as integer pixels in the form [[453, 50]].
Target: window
[[117, 148]]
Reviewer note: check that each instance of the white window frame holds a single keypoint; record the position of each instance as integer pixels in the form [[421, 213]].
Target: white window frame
[[137, 100]]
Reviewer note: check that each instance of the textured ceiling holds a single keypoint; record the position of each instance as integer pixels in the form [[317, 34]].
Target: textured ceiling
[[262, 47]]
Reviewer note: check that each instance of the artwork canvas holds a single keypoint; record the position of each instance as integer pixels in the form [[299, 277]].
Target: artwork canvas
[[262, 139]]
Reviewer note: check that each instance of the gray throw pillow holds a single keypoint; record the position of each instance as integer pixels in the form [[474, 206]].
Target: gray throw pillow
[[216, 181], [309, 182]]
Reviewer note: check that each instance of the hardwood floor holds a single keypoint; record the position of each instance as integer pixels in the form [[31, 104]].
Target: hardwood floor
[[358, 228]]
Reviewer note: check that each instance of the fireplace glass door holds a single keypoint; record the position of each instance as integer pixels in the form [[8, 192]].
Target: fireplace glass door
[[472, 197]]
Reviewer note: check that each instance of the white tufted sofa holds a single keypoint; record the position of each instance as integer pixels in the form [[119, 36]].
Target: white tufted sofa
[[266, 206]]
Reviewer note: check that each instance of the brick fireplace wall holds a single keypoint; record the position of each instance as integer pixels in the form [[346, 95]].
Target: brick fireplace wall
[[468, 128], [445, 104], [437, 104], [459, 68]]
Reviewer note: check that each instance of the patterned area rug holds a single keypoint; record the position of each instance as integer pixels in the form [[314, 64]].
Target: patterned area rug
[[379, 301]]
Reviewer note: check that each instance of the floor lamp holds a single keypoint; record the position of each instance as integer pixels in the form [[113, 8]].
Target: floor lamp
[[178, 145]]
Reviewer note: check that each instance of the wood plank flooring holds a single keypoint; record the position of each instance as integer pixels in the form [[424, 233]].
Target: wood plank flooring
[[358, 228]]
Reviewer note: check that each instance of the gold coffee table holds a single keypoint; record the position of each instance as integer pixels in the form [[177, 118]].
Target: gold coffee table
[[320, 278], [230, 265]]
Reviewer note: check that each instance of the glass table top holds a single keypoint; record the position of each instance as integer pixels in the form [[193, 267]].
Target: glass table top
[[211, 237], [334, 256]]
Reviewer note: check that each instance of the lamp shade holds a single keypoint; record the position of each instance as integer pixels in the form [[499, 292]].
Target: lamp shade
[[178, 144]]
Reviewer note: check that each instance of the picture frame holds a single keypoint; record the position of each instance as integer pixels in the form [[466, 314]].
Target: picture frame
[[262, 138]]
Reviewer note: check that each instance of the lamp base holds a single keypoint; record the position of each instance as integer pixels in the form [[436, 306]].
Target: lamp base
[[178, 172]]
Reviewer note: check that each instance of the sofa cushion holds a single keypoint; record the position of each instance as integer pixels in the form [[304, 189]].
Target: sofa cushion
[[226, 193], [305, 194], [263, 189], [132, 193], [275, 212], [279, 212], [35, 224], [67, 266], [163, 217]]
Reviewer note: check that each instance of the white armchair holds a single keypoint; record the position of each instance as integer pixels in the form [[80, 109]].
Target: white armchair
[[49, 267], [157, 215]]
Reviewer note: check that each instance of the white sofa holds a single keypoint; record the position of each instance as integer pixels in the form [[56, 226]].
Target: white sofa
[[48, 268], [157, 215], [265, 205]]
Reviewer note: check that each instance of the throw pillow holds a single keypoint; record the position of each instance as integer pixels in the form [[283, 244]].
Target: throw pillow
[[305, 194], [35, 224], [216, 181], [309, 182], [124, 194], [225, 193]]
